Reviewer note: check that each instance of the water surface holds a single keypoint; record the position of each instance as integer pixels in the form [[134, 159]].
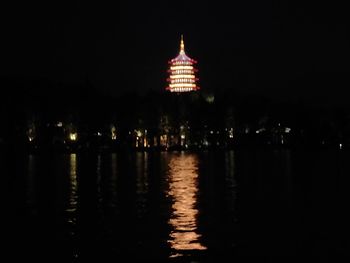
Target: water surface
[[176, 206]]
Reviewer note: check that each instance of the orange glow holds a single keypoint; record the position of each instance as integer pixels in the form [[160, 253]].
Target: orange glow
[[182, 73], [183, 189]]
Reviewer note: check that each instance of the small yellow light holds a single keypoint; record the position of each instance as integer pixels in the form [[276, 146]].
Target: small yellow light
[[73, 136]]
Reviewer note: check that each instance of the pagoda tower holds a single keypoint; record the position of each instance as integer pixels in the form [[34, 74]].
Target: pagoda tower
[[182, 72]]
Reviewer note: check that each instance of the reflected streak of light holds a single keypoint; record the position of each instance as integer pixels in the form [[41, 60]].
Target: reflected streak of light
[[73, 187], [73, 199], [183, 190]]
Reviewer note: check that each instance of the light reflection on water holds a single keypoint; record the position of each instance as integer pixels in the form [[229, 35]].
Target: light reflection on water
[[73, 187], [72, 205], [54, 198], [183, 190]]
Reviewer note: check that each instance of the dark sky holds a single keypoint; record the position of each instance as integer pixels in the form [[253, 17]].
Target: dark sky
[[283, 49]]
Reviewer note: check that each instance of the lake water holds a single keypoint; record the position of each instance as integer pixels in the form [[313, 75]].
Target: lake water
[[176, 206]]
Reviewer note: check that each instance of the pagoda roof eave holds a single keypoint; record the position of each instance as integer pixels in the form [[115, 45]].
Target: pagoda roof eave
[[183, 57]]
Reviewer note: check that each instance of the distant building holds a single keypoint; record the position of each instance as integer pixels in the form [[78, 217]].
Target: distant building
[[182, 72]]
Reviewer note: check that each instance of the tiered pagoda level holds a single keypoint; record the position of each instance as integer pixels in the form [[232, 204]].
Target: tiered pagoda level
[[182, 72]]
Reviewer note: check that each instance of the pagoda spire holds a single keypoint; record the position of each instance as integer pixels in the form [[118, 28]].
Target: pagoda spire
[[182, 45]]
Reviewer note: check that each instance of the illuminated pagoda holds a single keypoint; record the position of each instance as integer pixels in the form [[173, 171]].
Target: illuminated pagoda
[[182, 72]]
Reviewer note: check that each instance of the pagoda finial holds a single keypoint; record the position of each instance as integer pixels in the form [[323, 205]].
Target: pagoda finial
[[182, 45]]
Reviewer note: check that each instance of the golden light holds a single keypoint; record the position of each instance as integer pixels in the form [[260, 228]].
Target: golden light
[[181, 67], [73, 136], [189, 85], [164, 140], [182, 76], [182, 73], [73, 191], [183, 190], [113, 132]]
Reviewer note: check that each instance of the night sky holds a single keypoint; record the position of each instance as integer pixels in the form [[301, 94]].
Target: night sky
[[284, 50]]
